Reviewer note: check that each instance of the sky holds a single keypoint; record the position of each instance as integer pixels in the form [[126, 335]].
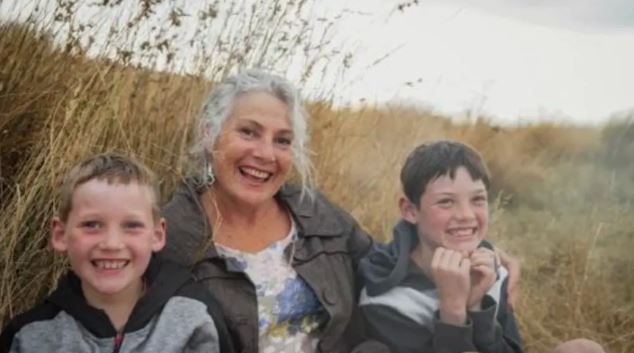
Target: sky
[[512, 60]]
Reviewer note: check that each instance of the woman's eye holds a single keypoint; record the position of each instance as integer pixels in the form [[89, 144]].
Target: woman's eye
[[246, 132], [283, 141]]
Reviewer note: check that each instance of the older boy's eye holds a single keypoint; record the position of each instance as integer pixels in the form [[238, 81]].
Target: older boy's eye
[[479, 200], [445, 202]]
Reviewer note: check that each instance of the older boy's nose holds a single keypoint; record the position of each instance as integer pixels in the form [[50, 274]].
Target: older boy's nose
[[464, 212]]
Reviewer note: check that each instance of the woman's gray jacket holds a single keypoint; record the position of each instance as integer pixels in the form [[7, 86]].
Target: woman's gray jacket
[[327, 252]]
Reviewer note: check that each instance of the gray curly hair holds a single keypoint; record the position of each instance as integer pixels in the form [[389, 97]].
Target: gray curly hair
[[219, 105]]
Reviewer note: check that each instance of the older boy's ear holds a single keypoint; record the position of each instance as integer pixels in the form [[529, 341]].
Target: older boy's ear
[[58, 238], [408, 210], [160, 232]]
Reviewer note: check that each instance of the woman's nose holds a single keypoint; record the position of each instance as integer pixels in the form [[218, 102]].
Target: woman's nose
[[265, 151]]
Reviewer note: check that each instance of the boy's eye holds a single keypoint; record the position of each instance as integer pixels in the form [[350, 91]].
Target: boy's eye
[[90, 224], [134, 225]]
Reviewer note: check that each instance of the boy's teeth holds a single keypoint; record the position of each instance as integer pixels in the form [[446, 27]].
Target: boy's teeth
[[255, 173], [110, 264], [462, 232]]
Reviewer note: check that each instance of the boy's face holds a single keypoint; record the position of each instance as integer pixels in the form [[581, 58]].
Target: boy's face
[[109, 237], [453, 214]]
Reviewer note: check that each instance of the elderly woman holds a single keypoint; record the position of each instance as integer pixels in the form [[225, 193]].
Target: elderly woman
[[281, 259]]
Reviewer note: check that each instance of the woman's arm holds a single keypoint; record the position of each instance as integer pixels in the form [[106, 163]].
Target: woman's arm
[[494, 327]]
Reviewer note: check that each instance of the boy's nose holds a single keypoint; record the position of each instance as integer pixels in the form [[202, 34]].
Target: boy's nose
[[111, 240]]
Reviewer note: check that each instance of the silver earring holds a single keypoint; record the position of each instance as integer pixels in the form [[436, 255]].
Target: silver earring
[[209, 173]]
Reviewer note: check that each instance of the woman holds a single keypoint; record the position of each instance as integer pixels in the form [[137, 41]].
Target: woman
[[280, 259]]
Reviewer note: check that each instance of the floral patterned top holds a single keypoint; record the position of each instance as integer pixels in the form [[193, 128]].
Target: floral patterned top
[[289, 313]]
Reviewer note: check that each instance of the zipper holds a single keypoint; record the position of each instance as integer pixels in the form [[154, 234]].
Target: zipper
[[118, 340]]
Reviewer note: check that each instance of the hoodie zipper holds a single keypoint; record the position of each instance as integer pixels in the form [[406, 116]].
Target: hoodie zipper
[[118, 340]]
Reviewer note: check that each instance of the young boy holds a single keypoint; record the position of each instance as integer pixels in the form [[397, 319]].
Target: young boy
[[117, 296], [438, 287]]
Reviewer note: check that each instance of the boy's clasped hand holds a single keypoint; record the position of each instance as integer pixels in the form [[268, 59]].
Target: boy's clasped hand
[[462, 278]]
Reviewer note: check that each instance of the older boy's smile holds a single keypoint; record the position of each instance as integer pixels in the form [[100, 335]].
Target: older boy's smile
[[462, 234]]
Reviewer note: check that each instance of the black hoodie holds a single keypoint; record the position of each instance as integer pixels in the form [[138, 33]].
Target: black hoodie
[[400, 304]]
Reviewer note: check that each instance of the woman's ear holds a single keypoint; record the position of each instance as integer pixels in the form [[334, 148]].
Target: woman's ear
[[58, 235], [207, 133], [409, 211]]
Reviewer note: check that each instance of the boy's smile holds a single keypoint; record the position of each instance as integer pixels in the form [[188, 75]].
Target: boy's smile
[[109, 237], [110, 264], [453, 213]]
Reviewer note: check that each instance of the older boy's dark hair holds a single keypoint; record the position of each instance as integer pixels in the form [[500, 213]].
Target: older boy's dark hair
[[111, 167], [434, 159]]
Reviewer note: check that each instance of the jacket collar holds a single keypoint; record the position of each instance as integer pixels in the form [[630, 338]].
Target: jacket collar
[[310, 211], [313, 215], [390, 265]]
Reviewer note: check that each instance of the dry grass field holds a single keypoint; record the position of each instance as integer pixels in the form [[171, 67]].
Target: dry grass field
[[563, 196]]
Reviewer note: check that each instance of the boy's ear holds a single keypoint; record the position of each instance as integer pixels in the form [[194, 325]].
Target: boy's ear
[[409, 211], [158, 240], [58, 238]]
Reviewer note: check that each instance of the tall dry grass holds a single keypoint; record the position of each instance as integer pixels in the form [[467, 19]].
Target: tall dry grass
[[58, 105], [559, 204], [562, 194]]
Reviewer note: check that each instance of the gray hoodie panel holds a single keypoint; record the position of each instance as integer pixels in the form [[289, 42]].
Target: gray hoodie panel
[[183, 326]]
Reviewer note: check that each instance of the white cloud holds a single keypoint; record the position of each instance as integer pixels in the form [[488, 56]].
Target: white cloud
[[460, 58], [585, 15]]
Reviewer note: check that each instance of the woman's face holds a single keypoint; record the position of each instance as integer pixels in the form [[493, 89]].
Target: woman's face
[[252, 156]]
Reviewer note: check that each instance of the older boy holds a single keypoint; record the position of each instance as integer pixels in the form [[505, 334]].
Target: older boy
[[117, 296], [437, 287]]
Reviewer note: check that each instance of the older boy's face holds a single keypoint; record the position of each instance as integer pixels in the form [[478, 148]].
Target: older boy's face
[[109, 237], [454, 213]]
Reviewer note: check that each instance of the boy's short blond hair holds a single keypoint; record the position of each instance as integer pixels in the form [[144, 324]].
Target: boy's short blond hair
[[113, 168]]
